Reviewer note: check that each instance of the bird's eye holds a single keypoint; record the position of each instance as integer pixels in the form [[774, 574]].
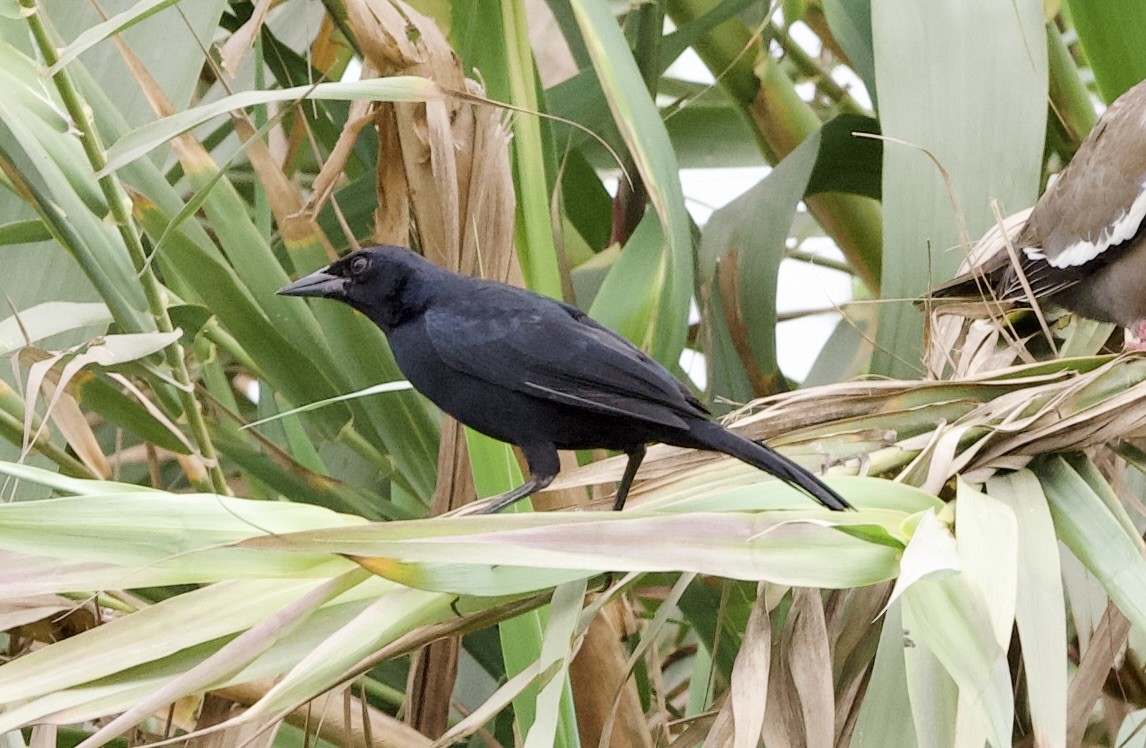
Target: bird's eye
[[358, 265]]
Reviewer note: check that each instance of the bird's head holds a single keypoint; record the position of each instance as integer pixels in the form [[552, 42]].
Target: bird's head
[[376, 281]]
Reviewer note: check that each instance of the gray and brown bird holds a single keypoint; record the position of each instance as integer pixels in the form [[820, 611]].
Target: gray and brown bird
[[1083, 247]]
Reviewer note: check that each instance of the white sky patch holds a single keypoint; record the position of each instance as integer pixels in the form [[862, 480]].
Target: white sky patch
[[353, 70]]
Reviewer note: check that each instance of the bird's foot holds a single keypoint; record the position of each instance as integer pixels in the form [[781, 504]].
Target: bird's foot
[[1135, 340]]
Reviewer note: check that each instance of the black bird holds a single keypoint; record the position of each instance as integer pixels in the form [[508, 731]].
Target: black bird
[[531, 371]]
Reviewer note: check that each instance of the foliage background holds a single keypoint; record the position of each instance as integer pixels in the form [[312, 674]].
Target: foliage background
[[990, 589]]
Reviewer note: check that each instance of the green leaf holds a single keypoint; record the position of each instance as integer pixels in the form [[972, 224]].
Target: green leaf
[[109, 28], [987, 540], [49, 318], [496, 470], [806, 551], [1084, 523], [556, 653], [1113, 35], [745, 240], [949, 617], [850, 22], [154, 134], [1040, 610], [24, 232], [885, 713], [997, 85], [644, 133], [847, 162], [157, 631], [710, 137], [234, 656]]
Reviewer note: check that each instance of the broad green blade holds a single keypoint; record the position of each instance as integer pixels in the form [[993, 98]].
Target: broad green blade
[[152, 135], [1040, 610], [1113, 35], [1096, 536], [112, 26], [885, 714], [945, 100], [807, 550], [556, 654], [662, 333], [744, 242], [948, 615]]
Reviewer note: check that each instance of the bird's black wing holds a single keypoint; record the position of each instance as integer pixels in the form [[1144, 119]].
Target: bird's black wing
[[539, 347]]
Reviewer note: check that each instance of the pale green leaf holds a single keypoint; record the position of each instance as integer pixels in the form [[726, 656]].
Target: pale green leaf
[[800, 551], [112, 26], [375, 390], [986, 536], [644, 133], [1096, 537], [949, 616], [556, 652], [233, 657], [931, 551], [1040, 611], [154, 134], [941, 93], [885, 714], [150, 634]]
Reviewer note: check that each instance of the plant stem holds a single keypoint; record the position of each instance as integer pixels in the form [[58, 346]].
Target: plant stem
[[1070, 101], [818, 261], [811, 68], [120, 205], [782, 120]]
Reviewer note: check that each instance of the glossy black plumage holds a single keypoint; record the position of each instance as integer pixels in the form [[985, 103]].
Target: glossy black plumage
[[531, 371]]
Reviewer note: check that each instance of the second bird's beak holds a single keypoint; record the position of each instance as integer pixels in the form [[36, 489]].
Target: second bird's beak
[[318, 283]]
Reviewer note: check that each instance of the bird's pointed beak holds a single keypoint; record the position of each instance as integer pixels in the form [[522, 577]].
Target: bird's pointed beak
[[318, 283]]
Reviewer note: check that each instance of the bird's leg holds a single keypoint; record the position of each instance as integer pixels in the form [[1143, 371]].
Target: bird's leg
[[636, 454], [543, 466]]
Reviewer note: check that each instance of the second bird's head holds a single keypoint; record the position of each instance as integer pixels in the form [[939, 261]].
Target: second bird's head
[[381, 282]]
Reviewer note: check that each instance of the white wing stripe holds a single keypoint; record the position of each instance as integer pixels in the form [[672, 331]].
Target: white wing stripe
[[1083, 251]]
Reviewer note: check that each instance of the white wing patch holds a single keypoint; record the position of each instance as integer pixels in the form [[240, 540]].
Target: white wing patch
[[1083, 251]]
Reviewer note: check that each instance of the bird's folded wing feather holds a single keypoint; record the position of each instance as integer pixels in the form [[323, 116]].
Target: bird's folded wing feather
[[553, 352], [1096, 207]]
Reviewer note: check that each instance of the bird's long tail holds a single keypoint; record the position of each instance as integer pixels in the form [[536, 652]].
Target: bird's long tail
[[714, 436]]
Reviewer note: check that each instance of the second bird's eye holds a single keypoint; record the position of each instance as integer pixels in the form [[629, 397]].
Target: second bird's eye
[[358, 264]]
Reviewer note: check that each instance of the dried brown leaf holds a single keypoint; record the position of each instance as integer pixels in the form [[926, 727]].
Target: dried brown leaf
[[237, 45], [21, 611], [392, 216], [810, 662], [217, 710], [76, 430], [296, 226], [1101, 656], [325, 717], [430, 686], [597, 673], [331, 172], [748, 688]]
